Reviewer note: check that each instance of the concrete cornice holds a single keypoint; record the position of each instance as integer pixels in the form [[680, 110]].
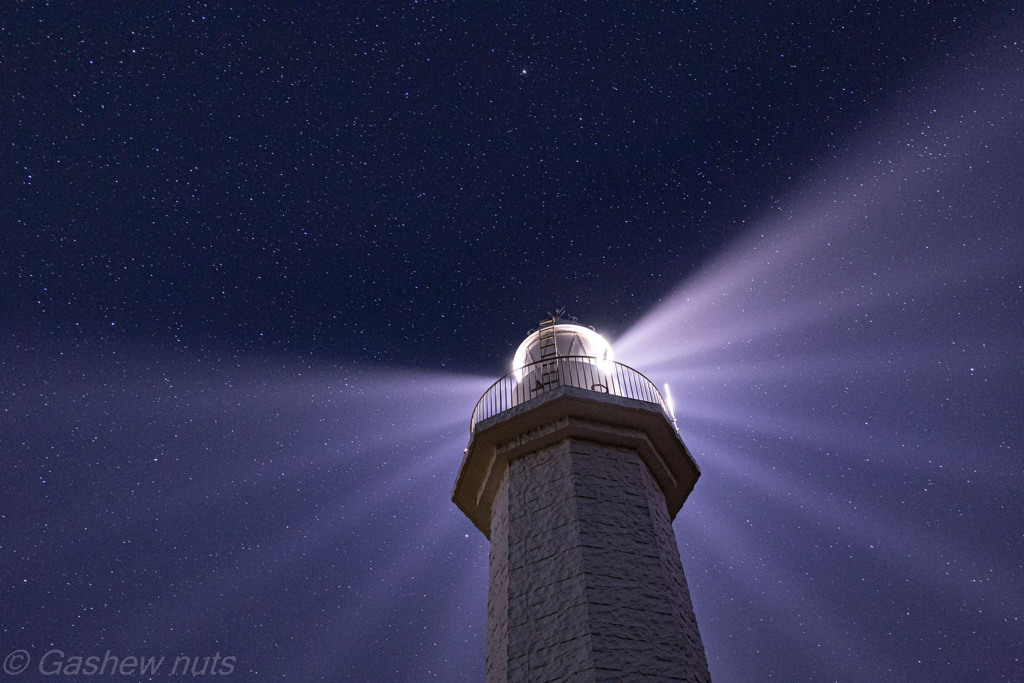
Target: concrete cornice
[[572, 413]]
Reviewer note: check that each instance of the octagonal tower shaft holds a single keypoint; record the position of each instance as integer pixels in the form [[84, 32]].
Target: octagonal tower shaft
[[576, 489]]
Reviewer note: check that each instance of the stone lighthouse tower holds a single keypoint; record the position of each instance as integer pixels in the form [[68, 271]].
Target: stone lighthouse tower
[[574, 471]]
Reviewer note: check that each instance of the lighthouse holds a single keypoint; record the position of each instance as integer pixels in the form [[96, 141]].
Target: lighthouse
[[574, 472]]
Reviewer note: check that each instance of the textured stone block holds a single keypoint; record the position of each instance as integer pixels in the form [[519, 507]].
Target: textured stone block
[[586, 581]]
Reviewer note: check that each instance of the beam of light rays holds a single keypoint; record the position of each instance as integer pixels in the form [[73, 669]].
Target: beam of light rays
[[217, 486], [419, 568], [814, 563], [904, 443], [777, 603], [448, 597], [898, 537], [850, 369]]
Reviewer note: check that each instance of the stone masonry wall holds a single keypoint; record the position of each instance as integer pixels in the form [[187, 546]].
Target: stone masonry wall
[[497, 589], [686, 621], [586, 581]]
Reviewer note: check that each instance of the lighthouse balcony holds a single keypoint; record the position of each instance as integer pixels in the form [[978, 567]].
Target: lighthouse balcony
[[536, 382]]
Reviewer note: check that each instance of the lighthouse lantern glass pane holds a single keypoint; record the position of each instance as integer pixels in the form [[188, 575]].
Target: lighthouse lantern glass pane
[[570, 340]]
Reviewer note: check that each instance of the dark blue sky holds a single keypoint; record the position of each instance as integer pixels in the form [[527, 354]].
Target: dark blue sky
[[259, 263], [335, 181]]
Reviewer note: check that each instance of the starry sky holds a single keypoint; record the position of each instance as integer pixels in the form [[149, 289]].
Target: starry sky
[[258, 264]]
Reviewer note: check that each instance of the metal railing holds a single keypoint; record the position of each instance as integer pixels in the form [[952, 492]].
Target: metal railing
[[593, 374]]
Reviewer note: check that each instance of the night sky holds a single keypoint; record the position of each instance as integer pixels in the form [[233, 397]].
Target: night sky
[[258, 264]]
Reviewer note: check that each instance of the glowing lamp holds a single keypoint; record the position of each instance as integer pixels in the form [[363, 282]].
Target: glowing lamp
[[570, 340]]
